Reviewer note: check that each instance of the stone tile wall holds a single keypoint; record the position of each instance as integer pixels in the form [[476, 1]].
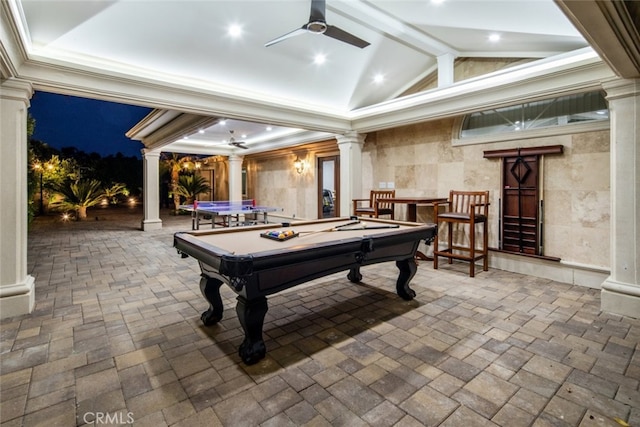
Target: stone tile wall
[[421, 160]]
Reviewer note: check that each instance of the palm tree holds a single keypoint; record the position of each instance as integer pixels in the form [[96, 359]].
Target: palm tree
[[79, 195], [112, 193], [175, 164], [190, 186]]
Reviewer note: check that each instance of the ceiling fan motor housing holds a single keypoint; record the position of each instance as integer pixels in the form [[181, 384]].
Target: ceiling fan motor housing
[[317, 27]]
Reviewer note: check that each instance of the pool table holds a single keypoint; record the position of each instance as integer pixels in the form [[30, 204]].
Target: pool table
[[255, 264]]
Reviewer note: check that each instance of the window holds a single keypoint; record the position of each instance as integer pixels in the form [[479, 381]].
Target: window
[[561, 111]]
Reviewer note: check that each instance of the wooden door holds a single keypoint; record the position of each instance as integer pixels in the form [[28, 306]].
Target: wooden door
[[520, 215]]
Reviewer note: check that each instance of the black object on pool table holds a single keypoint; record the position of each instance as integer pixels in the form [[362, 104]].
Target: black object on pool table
[[255, 267]]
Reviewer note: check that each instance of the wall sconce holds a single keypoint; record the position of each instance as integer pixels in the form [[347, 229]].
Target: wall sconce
[[299, 165]]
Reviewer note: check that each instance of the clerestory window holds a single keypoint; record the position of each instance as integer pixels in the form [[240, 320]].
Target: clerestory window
[[560, 111]]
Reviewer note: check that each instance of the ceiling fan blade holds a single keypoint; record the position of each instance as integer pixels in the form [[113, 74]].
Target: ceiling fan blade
[[296, 32], [318, 10], [343, 36], [318, 25], [239, 145]]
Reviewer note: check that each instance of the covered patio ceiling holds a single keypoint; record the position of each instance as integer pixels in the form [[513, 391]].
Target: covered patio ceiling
[[206, 62]]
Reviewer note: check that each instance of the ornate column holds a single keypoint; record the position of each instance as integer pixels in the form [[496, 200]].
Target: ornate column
[[235, 177], [17, 288], [350, 146], [151, 190], [621, 291]]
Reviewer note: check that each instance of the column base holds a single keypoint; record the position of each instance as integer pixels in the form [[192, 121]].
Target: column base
[[17, 299], [620, 298], [151, 224]]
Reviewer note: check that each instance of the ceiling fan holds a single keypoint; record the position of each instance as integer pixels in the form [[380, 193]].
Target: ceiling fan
[[318, 25], [239, 144]]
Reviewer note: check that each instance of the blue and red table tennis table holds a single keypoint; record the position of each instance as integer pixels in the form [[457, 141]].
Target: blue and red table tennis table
[[243, 212]]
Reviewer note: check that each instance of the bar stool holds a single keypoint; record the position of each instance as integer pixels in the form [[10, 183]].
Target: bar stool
[[464, 208]]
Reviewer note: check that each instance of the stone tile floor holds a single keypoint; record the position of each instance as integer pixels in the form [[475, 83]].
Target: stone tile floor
[[116, 339]]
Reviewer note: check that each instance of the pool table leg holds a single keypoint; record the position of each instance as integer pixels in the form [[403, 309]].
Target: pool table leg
[[210, 289], [251, 315], [407, 269], [354, 275]]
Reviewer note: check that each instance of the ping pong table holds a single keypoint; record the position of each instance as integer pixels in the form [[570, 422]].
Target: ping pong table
[[228, 212]]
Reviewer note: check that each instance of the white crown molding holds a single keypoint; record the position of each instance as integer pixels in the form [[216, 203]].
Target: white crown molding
[[299, 138], [611, 27], [12, 51], [173, 130], [125, 89], [151, 123], [501, 89]]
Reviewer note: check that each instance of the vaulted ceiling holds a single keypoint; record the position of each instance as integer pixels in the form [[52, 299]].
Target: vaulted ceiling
[[208, 58]]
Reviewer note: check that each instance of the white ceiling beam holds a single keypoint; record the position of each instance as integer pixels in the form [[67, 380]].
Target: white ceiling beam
[[445, 70], [389, 26]]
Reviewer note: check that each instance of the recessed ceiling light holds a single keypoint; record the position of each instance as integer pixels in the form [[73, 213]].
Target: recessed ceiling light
[[234, 30], [222, 122], [319, 59], [201, 131], [244, 135], [378, 78], [494, 37], [269, 128]]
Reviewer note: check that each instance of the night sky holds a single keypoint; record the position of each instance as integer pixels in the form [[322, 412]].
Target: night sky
[[87, 124]]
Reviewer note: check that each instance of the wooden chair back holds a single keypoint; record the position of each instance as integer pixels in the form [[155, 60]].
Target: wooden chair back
[[378, 199], [376, 204], [462, 202]]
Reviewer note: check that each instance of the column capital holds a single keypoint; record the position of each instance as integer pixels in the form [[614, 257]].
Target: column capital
[[147, 152], [16, 90], [351, 137], [235, 158], [621, 88]]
